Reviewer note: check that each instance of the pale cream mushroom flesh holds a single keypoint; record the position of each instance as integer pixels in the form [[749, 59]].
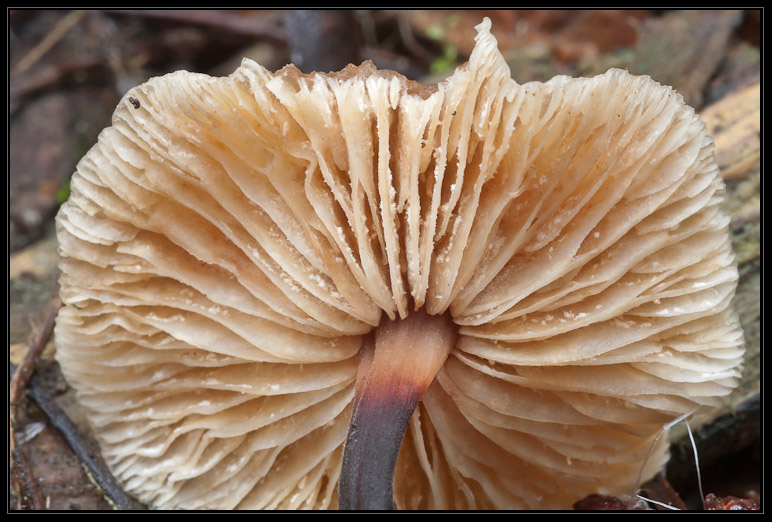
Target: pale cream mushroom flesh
[[549, 259]]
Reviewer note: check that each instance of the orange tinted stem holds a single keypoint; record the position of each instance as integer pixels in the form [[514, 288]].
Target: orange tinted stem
[[396, 368]]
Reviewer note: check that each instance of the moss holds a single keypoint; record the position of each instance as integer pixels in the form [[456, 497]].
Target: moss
[[63, 194]]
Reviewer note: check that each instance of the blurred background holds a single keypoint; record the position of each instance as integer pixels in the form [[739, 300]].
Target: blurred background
[[68, 70]]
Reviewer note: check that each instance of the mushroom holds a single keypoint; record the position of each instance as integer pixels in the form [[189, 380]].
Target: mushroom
[[526, 282]]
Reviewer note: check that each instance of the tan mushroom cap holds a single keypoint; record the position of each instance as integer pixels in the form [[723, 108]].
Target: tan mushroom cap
[[229, 242]]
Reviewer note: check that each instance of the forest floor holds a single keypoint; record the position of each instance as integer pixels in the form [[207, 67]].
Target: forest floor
[[69, 69]]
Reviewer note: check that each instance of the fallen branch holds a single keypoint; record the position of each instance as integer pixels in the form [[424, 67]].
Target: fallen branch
[[91, 460]]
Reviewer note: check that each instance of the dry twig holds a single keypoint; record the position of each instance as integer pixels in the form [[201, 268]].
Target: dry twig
[[25, 481], [35, 344], [24, 377], [21, 471], [59, 30]]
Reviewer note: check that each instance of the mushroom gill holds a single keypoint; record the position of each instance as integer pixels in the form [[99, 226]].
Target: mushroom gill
[[232, 247]]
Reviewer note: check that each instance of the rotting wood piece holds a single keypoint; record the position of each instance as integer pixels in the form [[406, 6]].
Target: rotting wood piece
[[734, 122]]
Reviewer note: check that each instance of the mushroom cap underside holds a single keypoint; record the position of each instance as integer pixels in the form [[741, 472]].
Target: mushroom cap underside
[[229, 243]]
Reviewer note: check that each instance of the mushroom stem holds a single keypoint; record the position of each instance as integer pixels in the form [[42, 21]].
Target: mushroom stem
[[395, 369]]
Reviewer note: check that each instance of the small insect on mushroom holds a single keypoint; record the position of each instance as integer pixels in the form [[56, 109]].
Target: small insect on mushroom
[[134, 102], [288, 290]]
